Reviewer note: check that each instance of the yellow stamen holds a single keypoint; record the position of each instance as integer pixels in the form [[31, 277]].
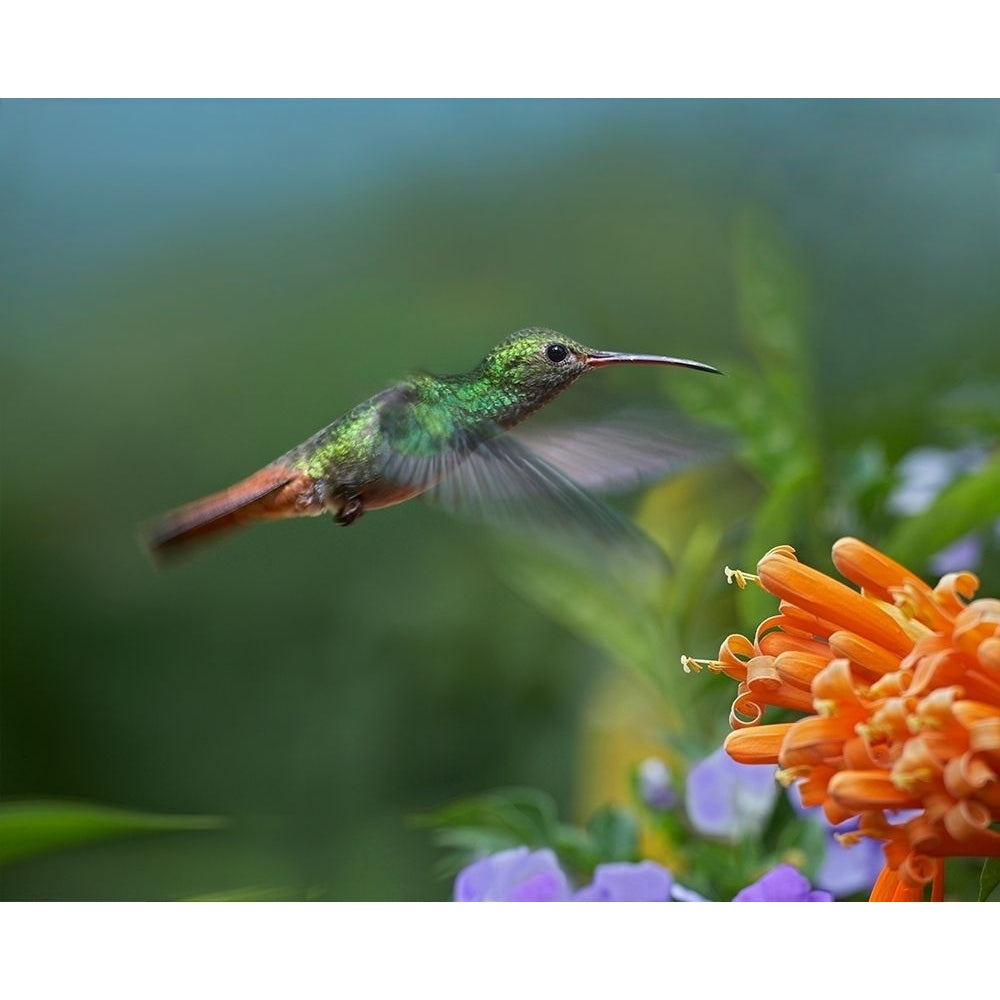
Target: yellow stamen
[[693, 666], [740, 578]]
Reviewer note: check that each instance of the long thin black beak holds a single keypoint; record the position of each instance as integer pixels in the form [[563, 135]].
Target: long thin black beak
[[598, 359]]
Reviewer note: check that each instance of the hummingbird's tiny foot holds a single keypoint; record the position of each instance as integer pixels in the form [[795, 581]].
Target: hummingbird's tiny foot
[[350, 512]]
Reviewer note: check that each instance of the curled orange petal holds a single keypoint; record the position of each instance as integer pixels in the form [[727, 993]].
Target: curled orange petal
[[761, 673], [976, 623], [967, 775], [747, 710], [733, 655], [966, 818], [916, 871], [764, 686], [955, 590]]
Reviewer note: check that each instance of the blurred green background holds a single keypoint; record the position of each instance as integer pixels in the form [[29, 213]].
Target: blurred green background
[[190, 288]]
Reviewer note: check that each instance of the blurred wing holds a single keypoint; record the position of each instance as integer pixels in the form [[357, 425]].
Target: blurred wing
[[623, 451], [498, 479], [504, 481]]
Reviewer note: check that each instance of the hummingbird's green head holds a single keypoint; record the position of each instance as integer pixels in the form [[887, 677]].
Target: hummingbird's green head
[[536, 364]]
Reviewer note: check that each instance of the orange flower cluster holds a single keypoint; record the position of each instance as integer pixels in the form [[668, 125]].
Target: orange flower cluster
[[902, 686]]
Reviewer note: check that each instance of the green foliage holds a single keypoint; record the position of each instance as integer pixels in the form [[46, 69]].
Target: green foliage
[[989, 879], [614, 834], [30, 828], [249, 894], [486, 824]]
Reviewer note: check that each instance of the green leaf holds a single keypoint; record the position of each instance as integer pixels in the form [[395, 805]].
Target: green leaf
[[32, 827], [615, 835], [510, 815], [514, 817], [249, 894], [989, 879], [968, 503]]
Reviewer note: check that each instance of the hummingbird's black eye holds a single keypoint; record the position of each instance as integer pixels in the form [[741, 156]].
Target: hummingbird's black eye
[[556, 353]]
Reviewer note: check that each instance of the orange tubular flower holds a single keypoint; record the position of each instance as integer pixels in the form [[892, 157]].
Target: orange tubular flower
[[902, 685]]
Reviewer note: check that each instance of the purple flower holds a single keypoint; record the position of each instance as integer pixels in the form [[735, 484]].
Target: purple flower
[[518, 875], [924, 472], [782, 885], [655, 786], [622, 882], [964, 553], [728, 799], [847, 870]]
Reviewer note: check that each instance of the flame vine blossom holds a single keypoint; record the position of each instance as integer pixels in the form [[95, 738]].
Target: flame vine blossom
[[899, 686]]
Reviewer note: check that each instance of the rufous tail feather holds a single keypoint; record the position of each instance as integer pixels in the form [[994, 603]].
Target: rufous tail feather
[[273, 492]]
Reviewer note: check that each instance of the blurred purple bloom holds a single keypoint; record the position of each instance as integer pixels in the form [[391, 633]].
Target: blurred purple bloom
[[728, 799], [965, 553], [655, 785], [847, 870], [783, 884], [925, 472], [622, 882], [518, 875]]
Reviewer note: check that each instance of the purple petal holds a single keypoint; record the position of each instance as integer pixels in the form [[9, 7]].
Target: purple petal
[[846, 870], [965, 553], [924, 472], [728, 799], [655, 785], [518, 875], [623, 882], [783, 884]]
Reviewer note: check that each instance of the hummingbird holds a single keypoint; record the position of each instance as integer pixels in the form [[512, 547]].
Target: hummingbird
[[448, 437]]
